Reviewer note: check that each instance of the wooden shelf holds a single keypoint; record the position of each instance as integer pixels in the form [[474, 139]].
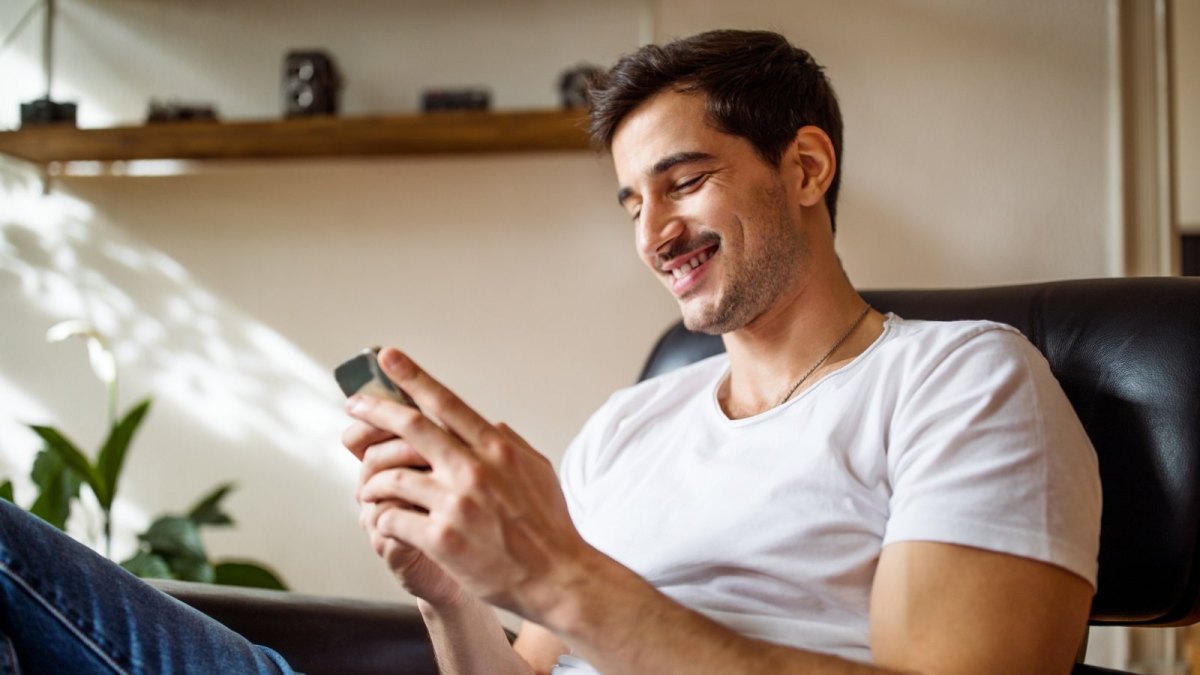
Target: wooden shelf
[[435, 133]]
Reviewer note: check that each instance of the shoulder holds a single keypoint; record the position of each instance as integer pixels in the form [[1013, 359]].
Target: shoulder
[[915, 351], [941, 338]]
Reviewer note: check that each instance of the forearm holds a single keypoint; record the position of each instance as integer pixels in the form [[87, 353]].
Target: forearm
[[468, 639], [623, 625]]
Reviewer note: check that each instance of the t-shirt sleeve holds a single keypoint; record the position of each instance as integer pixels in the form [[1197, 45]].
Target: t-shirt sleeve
[[580, 458], [986, 451], [571, 476]]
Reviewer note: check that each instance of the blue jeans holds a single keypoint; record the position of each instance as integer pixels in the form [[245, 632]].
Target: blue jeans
[[66, 609]]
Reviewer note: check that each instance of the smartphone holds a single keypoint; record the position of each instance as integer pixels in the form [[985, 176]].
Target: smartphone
[[361, 374]]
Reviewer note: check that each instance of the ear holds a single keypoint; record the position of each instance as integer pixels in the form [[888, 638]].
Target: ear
[[812, 161]]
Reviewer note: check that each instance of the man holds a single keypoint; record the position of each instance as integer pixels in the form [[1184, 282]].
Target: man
[[843, 492]]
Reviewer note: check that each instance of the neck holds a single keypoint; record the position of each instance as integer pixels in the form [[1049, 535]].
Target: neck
[[769, 355]]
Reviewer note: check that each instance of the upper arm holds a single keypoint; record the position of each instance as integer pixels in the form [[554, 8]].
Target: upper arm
[[539, 647], [943, 608]]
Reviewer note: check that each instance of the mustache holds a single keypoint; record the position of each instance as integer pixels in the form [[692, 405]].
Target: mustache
[[681, 246]]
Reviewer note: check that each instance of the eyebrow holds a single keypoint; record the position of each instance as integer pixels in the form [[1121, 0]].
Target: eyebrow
[[663, 165]]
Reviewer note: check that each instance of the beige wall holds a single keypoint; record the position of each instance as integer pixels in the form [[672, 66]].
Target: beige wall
[[977, 153], [1185, 72]]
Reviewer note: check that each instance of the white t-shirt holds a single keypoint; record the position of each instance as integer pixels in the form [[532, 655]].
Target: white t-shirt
[[772, 525]]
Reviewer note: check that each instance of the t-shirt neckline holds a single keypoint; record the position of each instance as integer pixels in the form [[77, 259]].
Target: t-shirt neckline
[[889, 321]]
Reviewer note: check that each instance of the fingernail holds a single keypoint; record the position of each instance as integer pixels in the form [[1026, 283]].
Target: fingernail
[[356, 403]]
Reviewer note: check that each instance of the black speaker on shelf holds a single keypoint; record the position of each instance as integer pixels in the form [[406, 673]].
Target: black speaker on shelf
[[43, 112], [311, 84]]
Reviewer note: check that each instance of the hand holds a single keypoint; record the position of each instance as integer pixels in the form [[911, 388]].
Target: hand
[[489, 511], [417, 574]]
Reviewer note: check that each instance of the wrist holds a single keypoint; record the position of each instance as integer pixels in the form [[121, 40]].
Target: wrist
[[586, 598], [442, 608]]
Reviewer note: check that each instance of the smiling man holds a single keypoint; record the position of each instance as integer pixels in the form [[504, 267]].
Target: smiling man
[[841, 492]]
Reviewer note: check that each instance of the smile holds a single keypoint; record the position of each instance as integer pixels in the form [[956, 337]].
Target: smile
[[687, 271], [691, 264]]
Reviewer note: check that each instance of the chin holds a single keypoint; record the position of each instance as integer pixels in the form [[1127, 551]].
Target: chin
[[709, 320]]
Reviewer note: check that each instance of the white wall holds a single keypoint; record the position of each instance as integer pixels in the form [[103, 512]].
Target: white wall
[[976, 154]]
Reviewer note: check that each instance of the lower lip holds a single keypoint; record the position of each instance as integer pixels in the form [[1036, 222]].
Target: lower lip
[[689, 281]]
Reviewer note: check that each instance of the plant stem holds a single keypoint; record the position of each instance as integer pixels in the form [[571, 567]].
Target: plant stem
[[112, 425]]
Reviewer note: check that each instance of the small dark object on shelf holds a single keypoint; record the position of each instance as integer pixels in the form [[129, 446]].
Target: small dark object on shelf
[[311, 84], [174, 111], [43, 112], [469, 98], [573, 85]]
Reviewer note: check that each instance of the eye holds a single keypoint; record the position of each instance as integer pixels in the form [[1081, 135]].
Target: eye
[[636, 213], [688, 184]]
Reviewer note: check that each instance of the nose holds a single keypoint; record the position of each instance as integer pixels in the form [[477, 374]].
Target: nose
[[658, 226]]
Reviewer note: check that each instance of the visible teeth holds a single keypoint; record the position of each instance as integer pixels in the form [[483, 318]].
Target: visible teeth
[[682, 270]]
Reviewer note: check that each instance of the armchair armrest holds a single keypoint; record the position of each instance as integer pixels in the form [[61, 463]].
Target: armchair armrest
[[318, 634]]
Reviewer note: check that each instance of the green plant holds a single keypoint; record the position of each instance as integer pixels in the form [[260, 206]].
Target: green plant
[[171, 547]]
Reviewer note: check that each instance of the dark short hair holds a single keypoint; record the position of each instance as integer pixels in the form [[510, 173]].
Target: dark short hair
[[757, 85]]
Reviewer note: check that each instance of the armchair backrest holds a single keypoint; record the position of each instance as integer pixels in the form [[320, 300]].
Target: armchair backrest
[[1127, 352]]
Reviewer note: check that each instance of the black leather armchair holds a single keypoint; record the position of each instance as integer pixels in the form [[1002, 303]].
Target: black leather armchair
[[1127, 352]]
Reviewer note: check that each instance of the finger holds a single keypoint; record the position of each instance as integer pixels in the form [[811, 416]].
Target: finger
[[439, 541], [415, 488], [435, 443], [391, 454], [359, 436], [434, 397]]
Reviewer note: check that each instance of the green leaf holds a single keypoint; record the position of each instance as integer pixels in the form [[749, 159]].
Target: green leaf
[[148, 566], [208, 511], [230, 573], [57, 486], [186, 569], [175, 537], [6, 490], [73, 458], [112, 453], [51, 507]]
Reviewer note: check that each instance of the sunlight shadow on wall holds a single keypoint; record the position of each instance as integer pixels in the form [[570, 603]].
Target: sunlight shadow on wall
[[191, 347], [234, 399]]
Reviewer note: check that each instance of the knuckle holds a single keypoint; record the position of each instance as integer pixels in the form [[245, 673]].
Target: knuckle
[[385, 521], [474, 476], [464, 506], [503, 452], [497, 449], [407, 418], [446, 538]]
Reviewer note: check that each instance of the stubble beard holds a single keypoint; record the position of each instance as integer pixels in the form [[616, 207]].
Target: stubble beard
[[762, 276]]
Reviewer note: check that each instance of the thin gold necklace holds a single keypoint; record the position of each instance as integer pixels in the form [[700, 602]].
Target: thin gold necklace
[[862, 315]]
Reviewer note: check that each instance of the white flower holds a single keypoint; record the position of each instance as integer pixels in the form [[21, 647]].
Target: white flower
[[101, 357]]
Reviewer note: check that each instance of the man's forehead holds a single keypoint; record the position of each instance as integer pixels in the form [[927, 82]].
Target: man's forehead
[[665, 125], [669, 112]]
